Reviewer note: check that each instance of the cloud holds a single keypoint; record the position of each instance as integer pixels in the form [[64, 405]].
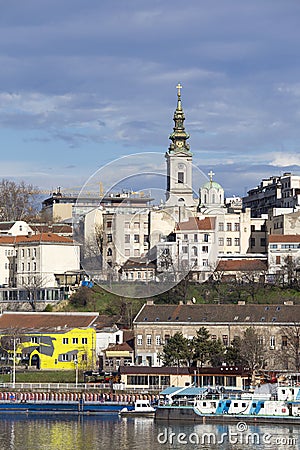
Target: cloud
[[285, 159], [79, 79]]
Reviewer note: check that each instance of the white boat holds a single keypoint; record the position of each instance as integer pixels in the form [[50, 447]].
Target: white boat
[[141, 408], [267, 402]]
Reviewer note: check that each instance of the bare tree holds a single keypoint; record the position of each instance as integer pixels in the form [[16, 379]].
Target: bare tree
[[253, 352], [290, 347], [291, 272], [33, 285], [11, 342], [252, 280], [18, 201]]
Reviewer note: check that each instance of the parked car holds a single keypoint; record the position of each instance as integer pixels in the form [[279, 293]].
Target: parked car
[[5, 370]]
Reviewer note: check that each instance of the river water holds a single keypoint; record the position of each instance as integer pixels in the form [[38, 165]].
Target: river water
[[109, 432]]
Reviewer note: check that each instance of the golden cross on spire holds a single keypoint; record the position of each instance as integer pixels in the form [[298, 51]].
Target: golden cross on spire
[[178, 87], [211, 174]]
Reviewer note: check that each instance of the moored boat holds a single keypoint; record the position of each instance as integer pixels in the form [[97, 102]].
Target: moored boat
[[141, 408], [280, 404]]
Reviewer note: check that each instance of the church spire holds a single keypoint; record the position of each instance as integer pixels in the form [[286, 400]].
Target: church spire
[[179, 135]]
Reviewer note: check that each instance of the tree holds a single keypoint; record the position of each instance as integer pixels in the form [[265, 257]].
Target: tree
[[176, 351], [11, 344], [252, 281], [82, 297], [291, 272], [290, 348], [202, 347], [32, 286], [18, 201], [217, 353], [233, 355], [252, 351]]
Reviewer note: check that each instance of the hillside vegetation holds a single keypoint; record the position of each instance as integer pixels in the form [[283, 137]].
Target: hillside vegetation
[[98, 300]]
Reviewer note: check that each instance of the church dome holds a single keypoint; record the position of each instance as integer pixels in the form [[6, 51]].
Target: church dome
[[211, 184]]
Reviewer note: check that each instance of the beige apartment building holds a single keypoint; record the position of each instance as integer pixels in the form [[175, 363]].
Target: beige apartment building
[[155, 324]]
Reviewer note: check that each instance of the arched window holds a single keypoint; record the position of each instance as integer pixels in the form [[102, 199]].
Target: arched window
[[194, 251], [109, 252]]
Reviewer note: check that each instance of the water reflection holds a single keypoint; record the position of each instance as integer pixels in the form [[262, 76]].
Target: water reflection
[[110, 432]]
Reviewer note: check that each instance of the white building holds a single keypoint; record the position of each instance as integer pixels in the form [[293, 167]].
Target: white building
[[37, 260], [284, 257], [16, 228], [274, 192]]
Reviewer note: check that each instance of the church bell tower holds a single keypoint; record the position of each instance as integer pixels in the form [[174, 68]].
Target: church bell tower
[[179, 162]]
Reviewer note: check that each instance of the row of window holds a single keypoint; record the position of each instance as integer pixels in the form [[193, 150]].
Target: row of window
[[75, 340], [262, 242], [229, 241], [194, 250], [284, 246], [67, 357], [225, 340], [84, 340], [31, 252], [140, 275], [229, 226], [195, 238], [148, 380], [30, 267], [135, 225], [136, 238]]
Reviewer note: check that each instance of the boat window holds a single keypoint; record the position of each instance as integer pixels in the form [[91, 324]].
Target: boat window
[[235, 404], [204, 403], [243, 405], [262, 405]]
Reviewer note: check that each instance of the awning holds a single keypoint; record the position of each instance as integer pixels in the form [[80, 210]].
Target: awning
[[116, 353]]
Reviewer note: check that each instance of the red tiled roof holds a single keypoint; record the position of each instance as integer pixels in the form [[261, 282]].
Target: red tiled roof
[[46, 321], [241, 265], [284, 238], [57, 228], [124, 347], [41, 237], [194, 223]]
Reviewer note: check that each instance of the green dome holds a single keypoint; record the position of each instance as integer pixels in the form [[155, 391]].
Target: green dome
[[212, 184]]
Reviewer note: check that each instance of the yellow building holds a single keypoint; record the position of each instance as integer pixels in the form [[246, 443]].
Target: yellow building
[[49, 340]]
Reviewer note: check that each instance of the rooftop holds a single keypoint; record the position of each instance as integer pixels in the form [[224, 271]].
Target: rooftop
[[36, 238], [45, 321], [194, 223], [210, 313], [242, 265], [284, 238]]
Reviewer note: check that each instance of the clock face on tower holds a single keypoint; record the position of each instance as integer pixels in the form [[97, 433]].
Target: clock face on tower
[[179, 143]]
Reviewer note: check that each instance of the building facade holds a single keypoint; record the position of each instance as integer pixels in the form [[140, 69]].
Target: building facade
[[155, 324], [274, 192], [61, 341]]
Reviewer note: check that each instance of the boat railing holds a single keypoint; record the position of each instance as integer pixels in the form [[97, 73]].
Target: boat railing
[[55, 386]]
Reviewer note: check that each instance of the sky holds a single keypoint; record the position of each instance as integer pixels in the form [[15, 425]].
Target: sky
[[84, 83]]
